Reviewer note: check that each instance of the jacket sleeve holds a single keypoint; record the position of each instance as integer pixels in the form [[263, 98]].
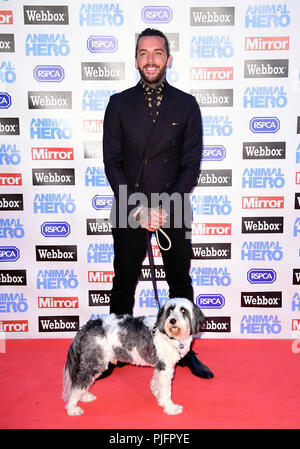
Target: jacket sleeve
[[191, 152]]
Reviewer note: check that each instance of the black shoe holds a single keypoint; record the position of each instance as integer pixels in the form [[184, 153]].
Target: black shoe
[[197, 367], [110, 369]]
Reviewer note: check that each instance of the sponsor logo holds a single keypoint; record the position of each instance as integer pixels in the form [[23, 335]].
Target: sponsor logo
[[5, 100], [266, 68], [261, 276], [102, 44], [48, 73], [11, 228], [213, 301], [211, 250], [46, 15], [267, 15], [7, 43], [213, 153], [211, 178], [211, 204], [146, 273], [10, 179], [52, 154], [297, 154], [211, 228], [9, 126], [9, 254], [48, 128], [295, 324], [297, 201], [13, 277], [50, 100], [211, 47], [13, 303], [55, 229], [11, 201], [102, 71], [38, 44], [9, 154], [95, 177], [58, 323], [99, 297], [93, 126], [213, 97], [102, 202], [296, 228], [298, 125], [212, 16], [92, 149], [264, 150], [14, 325], [147, 297], [7, 72], [263, 202], [216, 324], [297, 178], [56, 279], [210, 276], [58, 302], [211, 73], [157, 14], [260, 324], [54, 203], [6, 18], [261, 299], [296, 276], [264, 124], [100, 253], [53, 176], [262, 225], [96, 100], [265, 97], [296, 302], [62, 253], [261, 178], [105, 277], [101, 14], [217, 125], [261, 251], [267, 43], [98, 226]]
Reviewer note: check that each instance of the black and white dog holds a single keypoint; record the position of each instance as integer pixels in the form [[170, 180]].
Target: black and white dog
[[148, 341]]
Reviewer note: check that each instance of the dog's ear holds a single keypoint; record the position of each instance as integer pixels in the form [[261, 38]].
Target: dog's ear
[[197, 320], [160, 319]]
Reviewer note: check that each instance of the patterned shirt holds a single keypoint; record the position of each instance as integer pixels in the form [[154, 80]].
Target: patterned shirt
[[154, 97]]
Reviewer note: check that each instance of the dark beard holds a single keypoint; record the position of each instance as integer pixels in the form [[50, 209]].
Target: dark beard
[[155, 81]]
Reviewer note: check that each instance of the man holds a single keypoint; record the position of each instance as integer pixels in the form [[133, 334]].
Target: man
[[152, 145]]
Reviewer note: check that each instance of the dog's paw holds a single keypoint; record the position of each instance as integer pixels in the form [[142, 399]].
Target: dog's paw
[[88, 397], [173, 409], [75, 411]]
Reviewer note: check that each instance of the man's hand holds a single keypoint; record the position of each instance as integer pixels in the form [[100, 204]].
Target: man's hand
[[152, 218]]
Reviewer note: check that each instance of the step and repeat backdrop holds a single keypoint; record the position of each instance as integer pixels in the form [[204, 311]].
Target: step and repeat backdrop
[[59, 63]]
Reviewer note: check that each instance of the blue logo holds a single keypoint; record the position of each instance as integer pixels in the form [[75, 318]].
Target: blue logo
[[54, 203], [55, 229], [102, 44], [261, 276], [296, 302], [210, 276], [9, 154], [255, 251], [95, 177], [96, 100], [264, 124], [101, 14], [13, 302], [265, 97], [213, 153], [11, 228], [48, 128], [102, 202], [147, 297], [157, 14], [266, 16], [9, 254], [211, 47], [48, 73], [298, 154], [211, 204], [47, 45], [210, 301], [7, 72], [296, 227], [56, 279], [5, 100], [260, 324], [261, 178], [100, 253], [216, 125]]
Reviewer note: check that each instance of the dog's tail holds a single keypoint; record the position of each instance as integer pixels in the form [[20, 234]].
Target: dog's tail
[[71, 367]]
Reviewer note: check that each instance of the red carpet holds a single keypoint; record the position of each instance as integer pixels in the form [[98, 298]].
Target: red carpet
[[256, 386]]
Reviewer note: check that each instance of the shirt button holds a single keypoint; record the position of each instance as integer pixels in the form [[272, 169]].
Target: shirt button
[[136, 184]]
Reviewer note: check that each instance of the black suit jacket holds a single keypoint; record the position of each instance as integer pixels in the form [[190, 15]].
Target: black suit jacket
[[164, 157]]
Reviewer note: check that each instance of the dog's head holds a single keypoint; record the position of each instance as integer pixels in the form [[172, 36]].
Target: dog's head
[[179, 318]]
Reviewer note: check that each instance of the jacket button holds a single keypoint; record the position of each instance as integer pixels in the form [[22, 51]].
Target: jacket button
[[173, 143], [165, 160], [136, 184], [145, 161]]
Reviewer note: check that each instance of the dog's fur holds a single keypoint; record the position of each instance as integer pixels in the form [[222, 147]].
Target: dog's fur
[[148, 341]]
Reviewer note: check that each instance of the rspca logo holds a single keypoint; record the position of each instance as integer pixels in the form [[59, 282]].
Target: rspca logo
[[13, 303], [213, 153], [95, 177], [100, 253], [211, 205], [102, 44], [5, 100], [47, 45], [157, 14], [55, 229], [9, 154], [11, 228], [211, 47], [56, 280], [9, 254], [102, 202], [261, 276], [54, 203], [262, 178], [217, 126], [96, 100], [210, 276], [266, 16], [265, 97], [7, 72], [48, 73], [213, 301], [260, 324], [101, 14], [48, 128], [264, 125], [257, 251]]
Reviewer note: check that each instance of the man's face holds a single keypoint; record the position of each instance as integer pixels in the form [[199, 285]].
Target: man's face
[[152, 59]]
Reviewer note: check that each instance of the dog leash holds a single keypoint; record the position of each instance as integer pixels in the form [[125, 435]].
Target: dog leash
[[151, 258]]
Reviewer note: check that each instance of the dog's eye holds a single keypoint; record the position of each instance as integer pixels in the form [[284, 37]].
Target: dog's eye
[[182, 310]]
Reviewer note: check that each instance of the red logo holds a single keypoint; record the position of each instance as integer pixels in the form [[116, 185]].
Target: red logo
[[6, 18], [263, 202], [10, 179], [14, 326], [52, 154], [211, 73], [101, 276], [211, 228], [60, 302], [267, 43], [295, 325], [93, 126]]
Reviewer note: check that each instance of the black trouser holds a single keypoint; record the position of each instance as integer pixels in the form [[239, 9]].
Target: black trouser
[[130, 248]]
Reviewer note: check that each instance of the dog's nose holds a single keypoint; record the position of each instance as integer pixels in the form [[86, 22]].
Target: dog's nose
[[172, 321]]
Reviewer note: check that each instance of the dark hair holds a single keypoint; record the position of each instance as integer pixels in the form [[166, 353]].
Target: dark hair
[[152, 32]]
